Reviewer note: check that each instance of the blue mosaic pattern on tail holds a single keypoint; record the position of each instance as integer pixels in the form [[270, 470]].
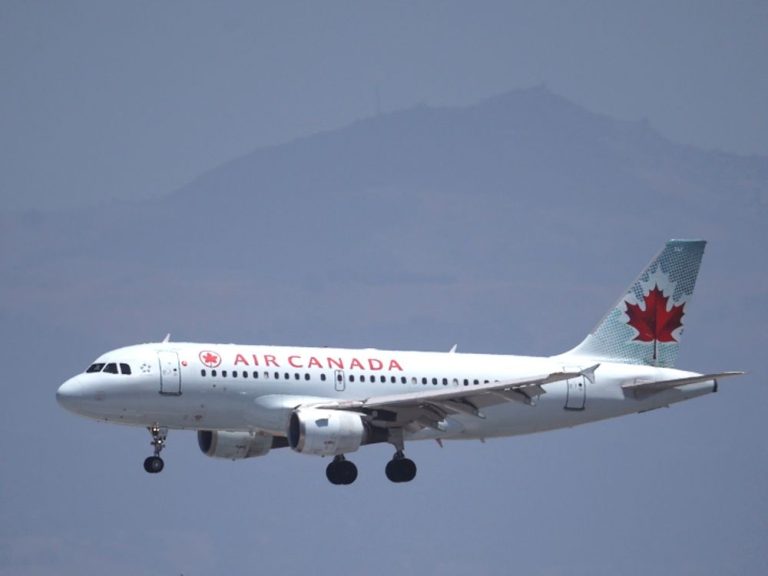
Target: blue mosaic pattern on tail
[[674, 271]]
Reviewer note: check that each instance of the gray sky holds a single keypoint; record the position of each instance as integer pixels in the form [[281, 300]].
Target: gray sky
[[102, 99], [506, 228]]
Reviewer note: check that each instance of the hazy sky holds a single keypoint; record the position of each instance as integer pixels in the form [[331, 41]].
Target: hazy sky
[[102, 99], [499, 230]]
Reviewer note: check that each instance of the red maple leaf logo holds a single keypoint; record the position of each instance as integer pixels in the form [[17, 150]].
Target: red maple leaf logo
[[210, 359], [655, 323]]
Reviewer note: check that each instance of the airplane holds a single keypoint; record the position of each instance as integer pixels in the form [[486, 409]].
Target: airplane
[[244, 401]]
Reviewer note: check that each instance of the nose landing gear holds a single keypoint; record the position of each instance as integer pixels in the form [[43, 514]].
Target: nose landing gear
[[155, 464]]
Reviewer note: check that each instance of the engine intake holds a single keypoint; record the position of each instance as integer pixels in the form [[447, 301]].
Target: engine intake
[[326, 432], [234, 445]]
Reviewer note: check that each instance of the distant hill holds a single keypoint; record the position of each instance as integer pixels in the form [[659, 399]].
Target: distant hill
[[458, 198]]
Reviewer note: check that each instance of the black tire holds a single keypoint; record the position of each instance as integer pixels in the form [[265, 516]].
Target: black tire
[[154, 465], [332, 473], [408, 470], [393, 471], [348, 472], [341, 472], [400, 470]]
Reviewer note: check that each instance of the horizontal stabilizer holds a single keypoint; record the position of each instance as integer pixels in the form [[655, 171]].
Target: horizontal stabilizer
[[646, 388]]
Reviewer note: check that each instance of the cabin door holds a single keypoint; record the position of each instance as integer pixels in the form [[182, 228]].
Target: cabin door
[[576, 391], [170, 374]]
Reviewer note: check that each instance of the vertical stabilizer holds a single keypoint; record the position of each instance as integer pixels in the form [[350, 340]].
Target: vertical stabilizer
[[646, 324]]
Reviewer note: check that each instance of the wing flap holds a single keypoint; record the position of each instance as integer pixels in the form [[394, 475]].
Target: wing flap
[[429, 407]]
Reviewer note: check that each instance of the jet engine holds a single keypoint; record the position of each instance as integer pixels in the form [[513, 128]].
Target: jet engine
[[233, 445], [326, 432]]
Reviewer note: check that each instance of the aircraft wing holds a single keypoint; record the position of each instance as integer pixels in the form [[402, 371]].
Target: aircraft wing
[[643, 389], [429, 407]]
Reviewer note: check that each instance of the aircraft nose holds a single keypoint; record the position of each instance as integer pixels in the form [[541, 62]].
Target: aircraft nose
[[69, 393]]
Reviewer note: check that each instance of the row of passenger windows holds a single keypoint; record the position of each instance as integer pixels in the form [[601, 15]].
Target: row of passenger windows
[[266, 375], [339, 377], [111, 368]]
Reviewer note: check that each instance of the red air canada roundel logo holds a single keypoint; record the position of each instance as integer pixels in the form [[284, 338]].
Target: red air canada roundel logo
[[210, 359]]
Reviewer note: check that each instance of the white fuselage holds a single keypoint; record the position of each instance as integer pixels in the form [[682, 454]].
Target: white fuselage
[[255, 388]]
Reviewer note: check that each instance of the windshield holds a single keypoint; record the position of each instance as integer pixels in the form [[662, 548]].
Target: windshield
[[111, 368]]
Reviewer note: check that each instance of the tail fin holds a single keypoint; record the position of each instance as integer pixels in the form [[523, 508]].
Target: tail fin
[[646, 324]]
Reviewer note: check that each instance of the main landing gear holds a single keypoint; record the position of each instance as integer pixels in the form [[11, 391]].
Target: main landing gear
[[155, 464], [400, 468], [343, 472]]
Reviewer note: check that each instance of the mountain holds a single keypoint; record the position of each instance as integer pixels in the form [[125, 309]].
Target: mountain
[[459, 198]]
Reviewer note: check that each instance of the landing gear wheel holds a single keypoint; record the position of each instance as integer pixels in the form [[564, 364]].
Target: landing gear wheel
[[400, 469], [341, 471], [154, 464]]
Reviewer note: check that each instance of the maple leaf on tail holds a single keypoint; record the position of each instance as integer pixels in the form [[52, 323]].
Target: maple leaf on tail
[[655, 323]]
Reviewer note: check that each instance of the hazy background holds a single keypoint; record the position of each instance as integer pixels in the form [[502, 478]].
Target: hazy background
[[403, 175]]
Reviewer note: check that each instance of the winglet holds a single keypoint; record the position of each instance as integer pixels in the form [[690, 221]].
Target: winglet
[[167, 338], [453, 349]]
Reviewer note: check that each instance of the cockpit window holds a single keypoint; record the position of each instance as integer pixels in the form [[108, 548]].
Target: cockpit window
[[95, 368], [111, 368], [125, 369]]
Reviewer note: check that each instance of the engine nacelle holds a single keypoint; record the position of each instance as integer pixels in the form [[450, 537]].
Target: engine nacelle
[[326, 432], [233, 445]]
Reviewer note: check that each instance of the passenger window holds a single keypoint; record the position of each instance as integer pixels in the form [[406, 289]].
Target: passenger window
[[362, 378], [202, 372], [94, 368], [306, 376], [423, 380], [111, 368], [445, 381], [351, 378], [287, 376], [234, 373], [434, 381], [125, 369], [403, 379], [245, 374], [213, 373], [255, 374], [223, 373], [322, 377], [296, 376], [384, 378], [393, 379]]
